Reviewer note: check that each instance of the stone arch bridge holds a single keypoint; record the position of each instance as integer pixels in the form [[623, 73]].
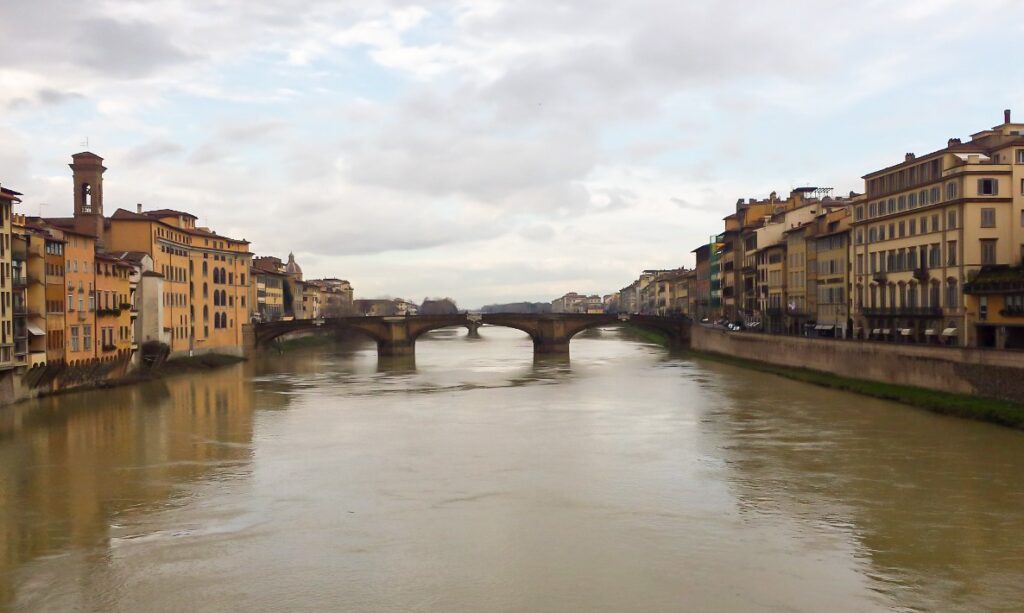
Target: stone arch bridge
[[551, 332]]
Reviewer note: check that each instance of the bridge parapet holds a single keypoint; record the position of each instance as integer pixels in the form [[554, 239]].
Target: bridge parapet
[[396, 336]]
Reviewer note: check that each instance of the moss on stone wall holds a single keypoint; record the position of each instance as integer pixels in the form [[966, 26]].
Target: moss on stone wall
[[984, 409]]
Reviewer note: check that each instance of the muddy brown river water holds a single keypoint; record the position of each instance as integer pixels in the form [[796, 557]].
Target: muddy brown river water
[[477, 479]]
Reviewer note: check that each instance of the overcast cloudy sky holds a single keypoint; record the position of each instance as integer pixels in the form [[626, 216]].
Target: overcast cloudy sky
[[489, 150]]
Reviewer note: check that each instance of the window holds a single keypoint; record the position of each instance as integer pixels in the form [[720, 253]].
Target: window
[[950, 253], [903, 229], [934, 256], [952, 297], [951, 191], [988, 187], [74, 338], [913, 227], [935, 223], [858, 213], [988, 251], [1020, 156], [933, 197], [950, 219], [912, 201], [923, 197], [902, 203], [892, 205], [872, 210], [988, 218]]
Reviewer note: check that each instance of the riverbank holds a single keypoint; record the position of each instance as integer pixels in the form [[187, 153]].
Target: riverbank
[[171, 368], [992, 410]]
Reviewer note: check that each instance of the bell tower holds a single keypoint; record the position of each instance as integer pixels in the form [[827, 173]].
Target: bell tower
[[88, 169]]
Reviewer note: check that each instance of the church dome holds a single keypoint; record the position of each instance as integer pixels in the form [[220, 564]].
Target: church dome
[[292, 268]]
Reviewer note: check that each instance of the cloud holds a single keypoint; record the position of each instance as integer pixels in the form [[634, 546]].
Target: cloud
[[490, 150]]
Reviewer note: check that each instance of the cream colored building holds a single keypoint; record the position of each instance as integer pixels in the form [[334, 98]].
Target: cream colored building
[[930, 224]]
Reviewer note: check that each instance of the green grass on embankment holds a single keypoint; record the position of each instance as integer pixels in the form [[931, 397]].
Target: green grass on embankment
[[971, 407]]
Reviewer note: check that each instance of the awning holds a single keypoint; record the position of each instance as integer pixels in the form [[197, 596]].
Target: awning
[[906, 331], [949, 332], [886, 331], [35, 330], [876, 331], [824, 327], [929, 332]]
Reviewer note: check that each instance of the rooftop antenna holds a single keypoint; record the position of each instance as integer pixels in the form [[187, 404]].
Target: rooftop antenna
[[85, 143]]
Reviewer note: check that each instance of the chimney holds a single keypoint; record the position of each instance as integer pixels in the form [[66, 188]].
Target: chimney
[[138, 207], [908, 157], [1006, 116], [953, 141]]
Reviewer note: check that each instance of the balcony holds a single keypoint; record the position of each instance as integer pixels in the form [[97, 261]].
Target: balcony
[[19, 281], [879, 277], [1012, 311], [902, 312]]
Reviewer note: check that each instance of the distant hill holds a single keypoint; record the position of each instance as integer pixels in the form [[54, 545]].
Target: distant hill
[[518, 307]]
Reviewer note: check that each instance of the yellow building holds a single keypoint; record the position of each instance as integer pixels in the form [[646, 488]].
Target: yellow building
[[832, 275], [7, 200], [205, 286], [80, 307], [113, 306], [929, 226], [270, 280], [205, 276]]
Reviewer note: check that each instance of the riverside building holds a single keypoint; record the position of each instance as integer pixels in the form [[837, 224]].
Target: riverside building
[[930, 226]]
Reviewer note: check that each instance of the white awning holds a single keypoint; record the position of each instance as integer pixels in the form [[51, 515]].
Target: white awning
[[949, 332], [35, 330], [929, 332], [906, 331], [824, 327], [886, 332], [876, 331]]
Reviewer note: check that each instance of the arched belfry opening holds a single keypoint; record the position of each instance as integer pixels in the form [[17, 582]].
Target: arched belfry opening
[[86, 198], [87, 170]]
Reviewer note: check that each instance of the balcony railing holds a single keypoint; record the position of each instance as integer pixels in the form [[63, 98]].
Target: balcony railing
[[1012, 311], [902, 311], [19, 281]]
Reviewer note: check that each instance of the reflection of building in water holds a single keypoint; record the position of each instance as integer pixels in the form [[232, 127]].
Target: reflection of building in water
[[918, 496], [70, 465]]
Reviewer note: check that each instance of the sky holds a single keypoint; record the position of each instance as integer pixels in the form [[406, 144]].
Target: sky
[[487, 150]]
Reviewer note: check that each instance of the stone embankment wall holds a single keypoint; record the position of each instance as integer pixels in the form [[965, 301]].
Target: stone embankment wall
[[981, 372]]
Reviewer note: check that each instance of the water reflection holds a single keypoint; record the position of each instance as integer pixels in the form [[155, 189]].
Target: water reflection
[[937, 524], [481, 478], [77, 471]]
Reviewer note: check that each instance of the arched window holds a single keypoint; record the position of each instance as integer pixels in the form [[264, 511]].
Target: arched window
[[206, 313], [216, 298], [952, 297], [86, 198], [204, 268], [934, 296], [206, 290], [223, 276]]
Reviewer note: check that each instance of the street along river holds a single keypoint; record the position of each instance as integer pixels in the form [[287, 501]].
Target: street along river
[[477, 479]]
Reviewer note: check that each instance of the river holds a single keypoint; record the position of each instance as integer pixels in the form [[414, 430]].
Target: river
[[477, 479]]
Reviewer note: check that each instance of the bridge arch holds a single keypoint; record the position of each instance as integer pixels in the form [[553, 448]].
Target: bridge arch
[[268, 332]]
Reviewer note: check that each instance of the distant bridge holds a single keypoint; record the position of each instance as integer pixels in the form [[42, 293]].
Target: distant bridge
[[551, 332]]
